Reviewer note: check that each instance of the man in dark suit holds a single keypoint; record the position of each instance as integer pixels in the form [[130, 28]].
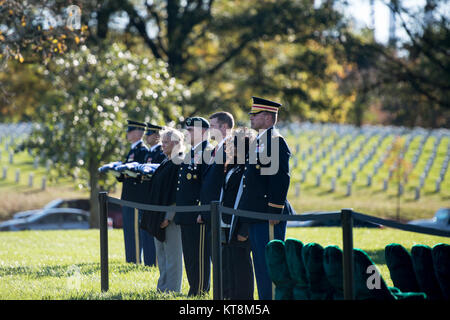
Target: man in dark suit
[[264, 186], [152, 139], [132, 190], [193, 234], [221, 125]]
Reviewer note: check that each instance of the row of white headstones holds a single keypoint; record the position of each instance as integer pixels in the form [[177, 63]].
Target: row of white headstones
[[320, 154]]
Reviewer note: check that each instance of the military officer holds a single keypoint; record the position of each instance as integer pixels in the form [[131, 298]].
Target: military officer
[[132, 190], [193, 234], [264, 186], [152, 139]]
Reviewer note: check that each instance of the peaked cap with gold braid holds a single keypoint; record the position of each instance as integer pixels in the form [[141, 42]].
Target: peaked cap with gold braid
[[260, 105]]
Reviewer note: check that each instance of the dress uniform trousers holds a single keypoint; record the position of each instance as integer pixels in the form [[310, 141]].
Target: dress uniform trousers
[[259, 237], [196, 245], [133, 235], [195, 237], [136, 240]]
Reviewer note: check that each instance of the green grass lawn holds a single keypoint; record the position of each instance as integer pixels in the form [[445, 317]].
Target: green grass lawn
[[65, 264]]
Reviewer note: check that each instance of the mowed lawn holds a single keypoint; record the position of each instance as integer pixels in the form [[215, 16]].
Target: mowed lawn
[[65, 264]]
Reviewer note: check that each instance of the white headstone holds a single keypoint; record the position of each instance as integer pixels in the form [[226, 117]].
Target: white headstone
[[17, 176], [385, 184], [297, 189], [417, 193], [30, 180], [44, 183], [349, 189], [369, 180]]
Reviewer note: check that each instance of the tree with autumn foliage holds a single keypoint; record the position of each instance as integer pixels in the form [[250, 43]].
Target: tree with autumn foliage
[[82, 119], [36, 31]]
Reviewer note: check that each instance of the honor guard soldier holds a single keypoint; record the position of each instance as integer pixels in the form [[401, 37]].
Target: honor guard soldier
[[193, 234], [264, 187], [152, 139], [154, 155], [132, 190]]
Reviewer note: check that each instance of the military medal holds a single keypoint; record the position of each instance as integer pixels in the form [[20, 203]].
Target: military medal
[[189, 176], [195, 176]]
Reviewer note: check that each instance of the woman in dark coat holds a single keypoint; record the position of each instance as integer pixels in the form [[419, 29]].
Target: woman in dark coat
[[167, 234], [238, 279]]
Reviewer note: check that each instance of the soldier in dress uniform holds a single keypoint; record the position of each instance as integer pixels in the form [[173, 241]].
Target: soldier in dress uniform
[[193, 234], [264, 187], [132, 190], [152, 139], [154, 155]]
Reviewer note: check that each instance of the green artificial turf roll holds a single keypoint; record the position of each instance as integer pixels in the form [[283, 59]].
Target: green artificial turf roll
[[320, 287], [293, 248], [423, 267], [399, 263], [381, 291], [332, 264], [278, 270], [363, 291], [441, 263]]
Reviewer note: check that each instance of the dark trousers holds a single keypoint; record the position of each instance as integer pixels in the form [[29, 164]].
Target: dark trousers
[[196, 243], [259, 237], [237, 270], [132, 234]]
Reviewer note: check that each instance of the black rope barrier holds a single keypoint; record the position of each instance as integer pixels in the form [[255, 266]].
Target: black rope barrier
[[401, 226], [345, 215], [281, 217], [149, 207]]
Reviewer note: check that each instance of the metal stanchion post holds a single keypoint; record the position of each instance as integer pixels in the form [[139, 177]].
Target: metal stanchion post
[[216, 250], [102, 197], [347, 263]]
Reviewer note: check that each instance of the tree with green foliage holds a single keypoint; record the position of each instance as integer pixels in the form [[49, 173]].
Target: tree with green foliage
[[82, 120]]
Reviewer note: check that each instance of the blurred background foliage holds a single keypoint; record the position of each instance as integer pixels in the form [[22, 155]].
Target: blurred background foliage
[[81, 123], [305, 53]]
